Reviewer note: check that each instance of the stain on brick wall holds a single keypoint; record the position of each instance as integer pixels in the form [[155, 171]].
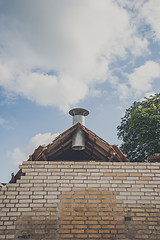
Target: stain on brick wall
[[82, 200], [91, 214]]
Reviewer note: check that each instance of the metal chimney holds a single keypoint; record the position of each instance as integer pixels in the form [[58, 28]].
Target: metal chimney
[[78, 138], [78, 115]]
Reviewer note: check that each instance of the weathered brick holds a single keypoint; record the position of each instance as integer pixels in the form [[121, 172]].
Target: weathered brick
[[85, 203]]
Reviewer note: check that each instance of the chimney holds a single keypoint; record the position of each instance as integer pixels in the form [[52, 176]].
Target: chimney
[[78, 138]]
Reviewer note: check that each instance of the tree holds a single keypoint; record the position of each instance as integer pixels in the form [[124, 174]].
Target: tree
[[140, 129]]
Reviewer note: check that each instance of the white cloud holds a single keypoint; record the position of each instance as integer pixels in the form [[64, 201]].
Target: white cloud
[[134, 4], [151, 13], [21, 154], [147, 95], [124, 91], [75, 40], [142, 77]]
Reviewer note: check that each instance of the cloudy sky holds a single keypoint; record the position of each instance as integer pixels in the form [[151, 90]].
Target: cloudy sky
[[58, 54]]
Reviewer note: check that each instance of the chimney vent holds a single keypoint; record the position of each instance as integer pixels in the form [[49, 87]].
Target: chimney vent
[[78, 138], [78, 115]]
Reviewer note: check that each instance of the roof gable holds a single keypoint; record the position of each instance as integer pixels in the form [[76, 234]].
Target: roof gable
[[96, 149]]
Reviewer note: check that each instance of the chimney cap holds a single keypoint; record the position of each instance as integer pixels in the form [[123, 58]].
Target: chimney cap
[[78, 111]]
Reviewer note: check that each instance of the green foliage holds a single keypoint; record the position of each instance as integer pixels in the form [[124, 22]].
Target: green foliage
[[140, 129]]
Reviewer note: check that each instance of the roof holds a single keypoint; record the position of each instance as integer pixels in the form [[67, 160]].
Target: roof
[[154, 158], [2, 185], [96, 149]]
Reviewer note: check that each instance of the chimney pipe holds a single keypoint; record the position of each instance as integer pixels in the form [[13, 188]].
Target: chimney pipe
[[78, 115], [78, 138]]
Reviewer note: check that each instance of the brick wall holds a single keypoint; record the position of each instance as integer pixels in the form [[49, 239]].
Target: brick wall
[[82, 200]]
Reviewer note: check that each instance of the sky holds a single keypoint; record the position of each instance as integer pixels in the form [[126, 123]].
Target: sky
[[56, 55]]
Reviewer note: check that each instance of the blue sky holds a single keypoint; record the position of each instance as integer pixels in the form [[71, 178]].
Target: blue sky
[[56, 55]]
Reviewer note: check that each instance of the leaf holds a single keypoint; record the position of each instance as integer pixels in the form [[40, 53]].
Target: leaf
[[140, 129]]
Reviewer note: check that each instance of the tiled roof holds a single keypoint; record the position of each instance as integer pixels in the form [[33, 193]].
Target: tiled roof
[[2, 185], [154, 158], [96, 148]]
